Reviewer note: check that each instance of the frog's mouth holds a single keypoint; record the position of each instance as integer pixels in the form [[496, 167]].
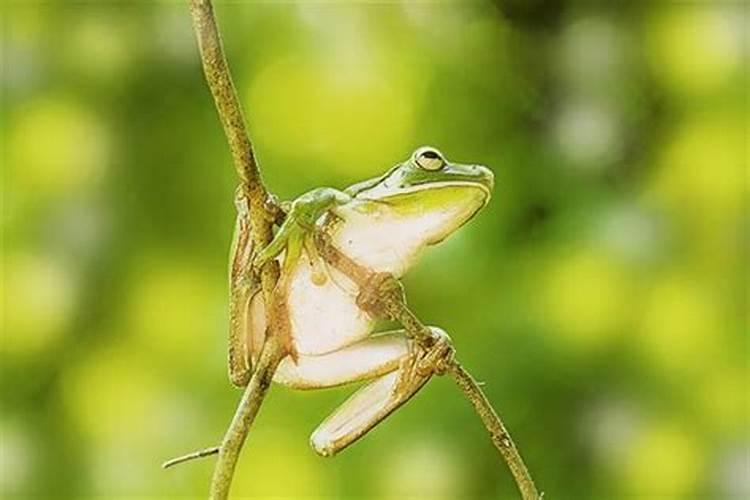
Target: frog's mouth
[[442, 193], [484, 188], [435, 214]]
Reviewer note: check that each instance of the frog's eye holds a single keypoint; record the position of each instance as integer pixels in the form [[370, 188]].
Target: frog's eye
[[429, 159]]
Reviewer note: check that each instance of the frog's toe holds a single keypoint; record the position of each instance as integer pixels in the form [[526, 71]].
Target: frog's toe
[[436, 359]]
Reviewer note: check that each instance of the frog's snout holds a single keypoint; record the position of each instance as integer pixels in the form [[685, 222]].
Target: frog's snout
[[484, 175]]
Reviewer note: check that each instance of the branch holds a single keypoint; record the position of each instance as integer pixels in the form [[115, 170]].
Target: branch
[[391, 302], [207, 452], [263, 211], [255, 392], [498, 433]]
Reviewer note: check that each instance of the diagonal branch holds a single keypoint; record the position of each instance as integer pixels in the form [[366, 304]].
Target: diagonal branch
[[498, 433]]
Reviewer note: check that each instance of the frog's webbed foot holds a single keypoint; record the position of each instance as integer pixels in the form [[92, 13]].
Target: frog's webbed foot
[[372, 403], [302, 214], [426, 361]]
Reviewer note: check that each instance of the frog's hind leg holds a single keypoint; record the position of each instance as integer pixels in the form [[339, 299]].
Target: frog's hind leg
[[364, 360], [362, 411], [372, 403]]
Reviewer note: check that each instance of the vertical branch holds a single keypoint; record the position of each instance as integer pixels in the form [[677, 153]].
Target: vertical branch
[[220, 82], [261, 219], [255, 392], [222, 88]]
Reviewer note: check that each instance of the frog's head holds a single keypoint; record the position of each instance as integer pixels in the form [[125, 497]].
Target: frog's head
[[429, 194]]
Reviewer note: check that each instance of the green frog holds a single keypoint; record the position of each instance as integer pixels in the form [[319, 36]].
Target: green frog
[[383, 224]]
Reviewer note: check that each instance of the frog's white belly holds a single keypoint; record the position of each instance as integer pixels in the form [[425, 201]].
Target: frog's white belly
[[324, 318]]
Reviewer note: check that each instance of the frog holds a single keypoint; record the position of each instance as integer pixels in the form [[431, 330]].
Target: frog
[[383, 224]]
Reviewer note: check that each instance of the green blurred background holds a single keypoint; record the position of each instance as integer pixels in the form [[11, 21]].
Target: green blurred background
[[600, 296]]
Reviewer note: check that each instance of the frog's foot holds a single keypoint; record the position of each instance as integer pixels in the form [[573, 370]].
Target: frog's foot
[[439, 356], [300, 221], [274, 210], [424, 362], [401, 368], [380, 289], [361, 412]]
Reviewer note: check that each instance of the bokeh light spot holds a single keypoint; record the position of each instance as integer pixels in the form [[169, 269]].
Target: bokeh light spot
[[40, 295], [725, 399], [56, 146], [281, 467], [346, 119], [584, 298], [588, 135], [100, 48], [665, 461], [110, 391], [421, 468], [175, 307], [678, 327], [701, 168], [695, 48], [16, 460]]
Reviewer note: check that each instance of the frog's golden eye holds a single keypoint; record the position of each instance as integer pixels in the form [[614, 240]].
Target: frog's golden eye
[[429, 158]]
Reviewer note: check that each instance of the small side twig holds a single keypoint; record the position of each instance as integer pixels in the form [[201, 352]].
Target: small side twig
[[207, 452]]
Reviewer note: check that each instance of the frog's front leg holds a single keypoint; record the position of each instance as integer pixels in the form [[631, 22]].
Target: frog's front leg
[[396, 366], [300, 222], [292, 239]]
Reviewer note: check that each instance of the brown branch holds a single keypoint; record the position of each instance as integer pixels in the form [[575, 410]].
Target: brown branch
[[498, 433], [263, 211], [255, 392]]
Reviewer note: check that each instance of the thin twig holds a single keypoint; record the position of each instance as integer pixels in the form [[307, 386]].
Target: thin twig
[[207, 452], [498, 433]]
